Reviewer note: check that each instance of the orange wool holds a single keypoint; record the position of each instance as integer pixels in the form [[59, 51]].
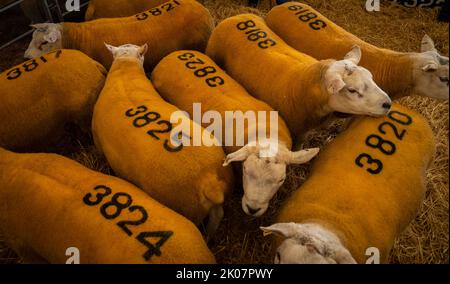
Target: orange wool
[[177, 83], [131, 125], [39, 97], [270, 70], [310, 32], [49, 203], [185, 25], [119, 8], [365, 194]]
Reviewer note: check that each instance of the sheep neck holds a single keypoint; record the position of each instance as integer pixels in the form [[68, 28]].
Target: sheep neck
[[72, 36], [306, 102], [128, 77], [393, 71]]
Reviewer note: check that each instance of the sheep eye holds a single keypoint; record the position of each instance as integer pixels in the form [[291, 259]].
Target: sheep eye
[[351, 90], [42, 44], [443, 79]]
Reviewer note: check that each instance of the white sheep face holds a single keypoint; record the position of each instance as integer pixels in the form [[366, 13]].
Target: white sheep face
[[308, 244], [352, 88], [46, 38], [263, 176], [129, 51], [292, 251], [430, 72]]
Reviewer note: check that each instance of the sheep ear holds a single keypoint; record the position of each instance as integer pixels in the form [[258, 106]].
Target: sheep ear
[[354, 55], [427, 44], [335, 84], [53, 36], [42, 26], [111, 48], [343, 256], [286, 230], [240, 155], [143, 49], [303, 156], [430, 67]]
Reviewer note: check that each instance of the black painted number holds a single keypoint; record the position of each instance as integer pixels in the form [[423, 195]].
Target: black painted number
[[153, 249], [132, 112], [196, 64], [13, 74], [215, 81], [255, 34], [119, 202], [146, 119], [377, 142], [387, 125], [143, 218], [306, 16], [375, 166], [143, 118], [30, 66], [103, 191]]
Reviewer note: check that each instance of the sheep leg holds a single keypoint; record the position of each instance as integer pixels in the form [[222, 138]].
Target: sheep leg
[[215, 216]]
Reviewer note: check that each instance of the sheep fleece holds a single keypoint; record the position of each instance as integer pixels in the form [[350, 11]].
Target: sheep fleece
[[176, 80], [189, 180], [308, 31], [49, 203], [39, 96], [366, 202], [118, 8], [270, 70], [185, 24]]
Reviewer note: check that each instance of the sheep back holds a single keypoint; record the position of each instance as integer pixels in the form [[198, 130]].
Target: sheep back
[[40, 96], [369, 183], [49, 203]]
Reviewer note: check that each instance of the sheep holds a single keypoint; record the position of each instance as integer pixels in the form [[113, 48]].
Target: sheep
[[302, 89], [179, 79], [40, 96], [132, 127], [49, 203], [364, 189], [119, 8], [398, 73], [162, 28]]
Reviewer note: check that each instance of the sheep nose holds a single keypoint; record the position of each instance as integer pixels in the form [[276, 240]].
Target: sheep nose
[[387, 105], [253, 211]]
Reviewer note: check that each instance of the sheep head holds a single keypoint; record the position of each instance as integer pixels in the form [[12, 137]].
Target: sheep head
[[47, 37], [308, 244], [430, 74], [129, 51], [351, 88], [264, 175]]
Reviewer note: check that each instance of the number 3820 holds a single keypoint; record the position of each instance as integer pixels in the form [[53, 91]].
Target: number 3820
[[386, 147]]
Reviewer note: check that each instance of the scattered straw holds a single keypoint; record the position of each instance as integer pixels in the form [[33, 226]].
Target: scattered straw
[[239, 239]]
